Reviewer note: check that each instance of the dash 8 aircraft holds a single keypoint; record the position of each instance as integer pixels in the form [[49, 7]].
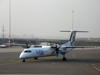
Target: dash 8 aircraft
[[57, 50]]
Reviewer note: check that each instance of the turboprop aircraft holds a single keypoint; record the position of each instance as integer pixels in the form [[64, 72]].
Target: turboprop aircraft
[[57, 50]]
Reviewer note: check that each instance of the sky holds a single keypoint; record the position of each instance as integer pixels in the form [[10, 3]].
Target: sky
[[45, 18]]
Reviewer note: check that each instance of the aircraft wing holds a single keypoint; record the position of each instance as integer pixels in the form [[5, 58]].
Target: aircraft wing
[[53, 46], [79, 46], [25, 45]]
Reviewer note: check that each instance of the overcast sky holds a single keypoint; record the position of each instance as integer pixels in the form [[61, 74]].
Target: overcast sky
[[45, 18]]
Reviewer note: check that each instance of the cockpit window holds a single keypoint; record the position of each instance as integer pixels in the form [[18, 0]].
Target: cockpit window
[[28, 51]]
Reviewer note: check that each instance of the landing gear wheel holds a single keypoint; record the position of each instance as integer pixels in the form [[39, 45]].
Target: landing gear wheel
[[64, 59], [35, 58], [23, 60]]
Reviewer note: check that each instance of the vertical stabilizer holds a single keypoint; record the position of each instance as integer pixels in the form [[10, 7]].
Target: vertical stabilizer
[[73, 35], [72, 38]]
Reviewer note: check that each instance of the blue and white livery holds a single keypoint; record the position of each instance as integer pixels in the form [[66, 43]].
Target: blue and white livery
[[43, 51]]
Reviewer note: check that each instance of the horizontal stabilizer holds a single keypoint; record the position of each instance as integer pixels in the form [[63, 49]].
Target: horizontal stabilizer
[[73, 31], [65, 31]]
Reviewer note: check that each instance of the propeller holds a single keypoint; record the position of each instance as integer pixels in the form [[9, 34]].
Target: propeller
[[57, 49]]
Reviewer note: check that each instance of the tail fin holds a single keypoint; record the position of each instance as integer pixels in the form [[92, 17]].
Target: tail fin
[[73, 35]]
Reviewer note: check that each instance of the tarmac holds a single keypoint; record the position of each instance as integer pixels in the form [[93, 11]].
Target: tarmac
[[79, 62]]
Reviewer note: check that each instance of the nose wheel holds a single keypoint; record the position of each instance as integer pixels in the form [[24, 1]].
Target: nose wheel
[[23, 60], [36, 58]]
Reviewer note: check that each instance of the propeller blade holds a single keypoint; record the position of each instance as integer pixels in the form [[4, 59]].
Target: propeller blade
[[57, 50]]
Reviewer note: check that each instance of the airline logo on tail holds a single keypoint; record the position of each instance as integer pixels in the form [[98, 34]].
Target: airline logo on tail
[[73, 35], [72, 38]]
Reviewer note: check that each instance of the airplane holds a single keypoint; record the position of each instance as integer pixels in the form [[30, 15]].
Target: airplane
[[57, 50]]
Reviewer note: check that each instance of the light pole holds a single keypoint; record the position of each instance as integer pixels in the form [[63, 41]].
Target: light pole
[[9, 21], [3, 34]]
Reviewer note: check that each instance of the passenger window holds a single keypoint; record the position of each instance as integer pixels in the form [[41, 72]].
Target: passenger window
[[27, 51]]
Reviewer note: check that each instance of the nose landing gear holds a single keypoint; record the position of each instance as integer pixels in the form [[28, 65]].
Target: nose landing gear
[[36, 58], [23, 60]]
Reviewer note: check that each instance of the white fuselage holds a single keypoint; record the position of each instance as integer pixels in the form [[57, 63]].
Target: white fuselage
[[41, 52], [66, 50], [51, 51], [37, 52]]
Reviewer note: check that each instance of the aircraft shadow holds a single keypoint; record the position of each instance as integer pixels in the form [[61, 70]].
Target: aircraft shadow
[[68, 60], [84, 60]]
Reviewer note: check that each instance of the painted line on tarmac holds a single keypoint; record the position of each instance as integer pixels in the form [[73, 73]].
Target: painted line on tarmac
[[53, 63], [12, 62], [95, 67], [8, 64]]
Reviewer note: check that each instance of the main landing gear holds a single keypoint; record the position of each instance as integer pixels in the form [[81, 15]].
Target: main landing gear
[[35, 58], [24, 59], [64, 58]]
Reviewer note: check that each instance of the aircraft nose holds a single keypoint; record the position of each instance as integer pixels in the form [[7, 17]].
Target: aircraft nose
[[22, 56]]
